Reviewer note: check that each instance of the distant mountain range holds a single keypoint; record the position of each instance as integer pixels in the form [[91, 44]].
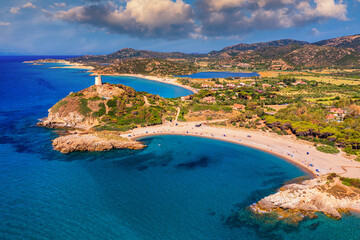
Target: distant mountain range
[[130, 53], [255, 46], [336, 52]]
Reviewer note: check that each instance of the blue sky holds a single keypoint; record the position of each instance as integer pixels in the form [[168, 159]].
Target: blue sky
[[64, 27]]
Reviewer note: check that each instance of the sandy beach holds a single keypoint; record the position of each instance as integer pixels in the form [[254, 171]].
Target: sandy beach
[[68, 64], [302, 153], [74, 65]]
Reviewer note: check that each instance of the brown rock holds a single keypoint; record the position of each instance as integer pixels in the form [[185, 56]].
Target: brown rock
[[93, 142], [315, 195]]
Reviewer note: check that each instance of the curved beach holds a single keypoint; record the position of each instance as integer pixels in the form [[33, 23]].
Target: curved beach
[[288, 147]]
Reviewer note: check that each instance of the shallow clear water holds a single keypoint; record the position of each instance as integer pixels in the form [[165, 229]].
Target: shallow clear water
[[179, 187], [205, 75]]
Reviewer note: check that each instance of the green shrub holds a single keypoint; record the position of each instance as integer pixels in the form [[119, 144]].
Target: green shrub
[[227, 109], [57, 106], [96, 98], [111, 103], [76, 94], [83, 108], [101, 111], [327, 149], [353, 182]]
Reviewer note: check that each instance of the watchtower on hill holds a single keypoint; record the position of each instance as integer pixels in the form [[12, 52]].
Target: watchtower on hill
[[98, 81]]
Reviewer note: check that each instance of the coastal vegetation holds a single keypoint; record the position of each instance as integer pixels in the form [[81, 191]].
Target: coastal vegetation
[[354, 182], [307, 90], [328, 149], [112, 107]]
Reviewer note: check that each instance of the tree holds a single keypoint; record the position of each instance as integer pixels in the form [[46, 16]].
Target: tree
[[248, 114]]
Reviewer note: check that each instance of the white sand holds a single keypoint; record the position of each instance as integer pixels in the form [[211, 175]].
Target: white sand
[[287, 147], [74, 65]]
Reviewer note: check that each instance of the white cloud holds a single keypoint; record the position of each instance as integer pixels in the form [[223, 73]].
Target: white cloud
[[315, 31], [150, 18], [204, 18], [228, 17], [47, 13], [330, 9], [60, 4], [28, 5], [14, 10], [4, 24], [157, 13], [217, 5]]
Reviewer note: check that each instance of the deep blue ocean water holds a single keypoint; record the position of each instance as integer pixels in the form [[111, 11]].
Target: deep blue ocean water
[[205, 75], [179, 187]]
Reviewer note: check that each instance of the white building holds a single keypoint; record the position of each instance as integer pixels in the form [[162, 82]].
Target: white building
[[98, 80]]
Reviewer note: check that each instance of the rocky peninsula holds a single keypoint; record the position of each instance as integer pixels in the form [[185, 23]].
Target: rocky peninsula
[[326, 194], [100, 113]]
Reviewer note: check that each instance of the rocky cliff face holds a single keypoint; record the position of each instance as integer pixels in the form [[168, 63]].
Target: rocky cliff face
[[323, 194], [78, 110]]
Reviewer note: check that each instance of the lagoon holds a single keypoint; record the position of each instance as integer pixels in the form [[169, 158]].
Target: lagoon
[[207, 75]]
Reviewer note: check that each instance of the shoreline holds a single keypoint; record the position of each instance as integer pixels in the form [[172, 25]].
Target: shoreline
[[168, 80], [73, 65], [298, 152], [289, 160], [208, 132], [68, 64]]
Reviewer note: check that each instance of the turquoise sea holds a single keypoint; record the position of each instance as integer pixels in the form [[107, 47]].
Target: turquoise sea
[[179, 187]]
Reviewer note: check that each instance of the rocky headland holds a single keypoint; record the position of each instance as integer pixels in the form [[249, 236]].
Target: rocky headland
[[100, 113], [93, 142], [326, 194]]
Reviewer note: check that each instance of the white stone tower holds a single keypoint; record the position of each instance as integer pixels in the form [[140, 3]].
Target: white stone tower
[[98, 81]]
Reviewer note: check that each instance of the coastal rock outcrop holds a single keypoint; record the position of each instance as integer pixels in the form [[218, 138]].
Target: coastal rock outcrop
[[93, 142], [324, 194], [101, 113]]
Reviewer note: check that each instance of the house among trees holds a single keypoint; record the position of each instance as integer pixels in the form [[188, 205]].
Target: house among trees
[[186, 98], [298, 83], [209, 99], [337, 114], [330, 117], [239, 107]]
